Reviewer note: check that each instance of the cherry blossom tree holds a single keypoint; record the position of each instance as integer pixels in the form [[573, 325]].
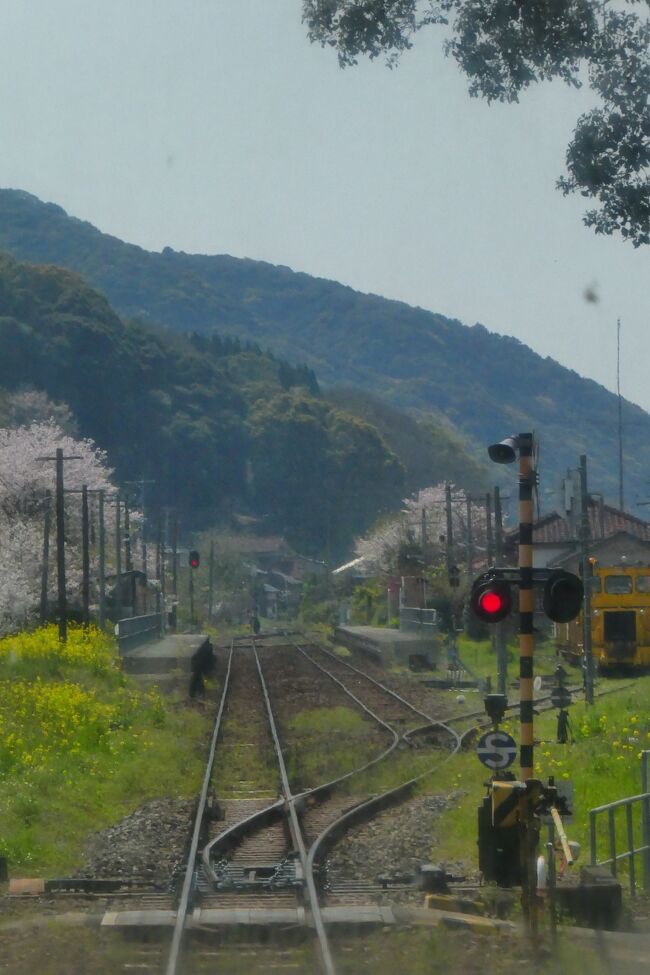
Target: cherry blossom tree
[[422, 526], [25, 480]]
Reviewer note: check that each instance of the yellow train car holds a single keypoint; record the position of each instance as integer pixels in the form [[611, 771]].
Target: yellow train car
[[620, 620]]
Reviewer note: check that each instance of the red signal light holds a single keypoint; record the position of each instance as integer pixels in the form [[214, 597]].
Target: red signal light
[[491, 599], [194, 559], [490, 602]]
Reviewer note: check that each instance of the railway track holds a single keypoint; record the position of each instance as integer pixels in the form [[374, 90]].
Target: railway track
[[264, 829], [267, 852]]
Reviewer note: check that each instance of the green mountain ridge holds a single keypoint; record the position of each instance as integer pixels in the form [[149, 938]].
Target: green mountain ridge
[[486, 386], [219, 425]]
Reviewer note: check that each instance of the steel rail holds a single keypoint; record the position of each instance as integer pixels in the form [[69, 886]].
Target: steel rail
[[373, 805], [188, 881], [383, 800], [389, 796], [373, 680], [239, 829], [296, 832], [293, 803]]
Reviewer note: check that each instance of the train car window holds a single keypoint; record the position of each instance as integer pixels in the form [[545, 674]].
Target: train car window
[[618, 585], [620, 627], [643, 583]]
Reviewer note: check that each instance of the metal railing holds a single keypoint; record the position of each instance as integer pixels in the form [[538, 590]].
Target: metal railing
[[629, 804], [136, 630], [412, 619]]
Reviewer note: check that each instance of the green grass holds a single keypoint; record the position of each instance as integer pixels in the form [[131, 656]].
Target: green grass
[[81, 746], [602, 763], [324, 743], [245, 759], [480, 657]]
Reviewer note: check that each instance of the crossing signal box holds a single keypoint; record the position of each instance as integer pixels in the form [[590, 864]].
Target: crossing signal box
[[563, 593], [195, 559]]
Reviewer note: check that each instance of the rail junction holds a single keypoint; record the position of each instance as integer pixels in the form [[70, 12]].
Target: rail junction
[[258, 851]]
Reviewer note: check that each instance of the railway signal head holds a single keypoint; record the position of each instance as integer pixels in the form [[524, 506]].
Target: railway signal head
[[491, 599], [563, 594], [504, 452], [454, 576], [194, 559]]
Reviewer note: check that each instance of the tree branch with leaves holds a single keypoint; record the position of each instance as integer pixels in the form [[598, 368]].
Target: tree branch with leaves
[[503, 47]]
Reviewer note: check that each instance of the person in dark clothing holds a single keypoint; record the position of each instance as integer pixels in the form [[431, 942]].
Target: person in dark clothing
[[202, 664]]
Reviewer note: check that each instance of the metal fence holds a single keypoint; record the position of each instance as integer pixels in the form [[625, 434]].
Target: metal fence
[[631, 805], [133, 632], [413, 620]]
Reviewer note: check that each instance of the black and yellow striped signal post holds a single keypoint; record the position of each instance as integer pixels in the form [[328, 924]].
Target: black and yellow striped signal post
[[516, 805], [506, 453], [529, 832], [526, 604]]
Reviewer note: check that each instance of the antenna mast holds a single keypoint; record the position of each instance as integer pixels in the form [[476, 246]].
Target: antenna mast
[[621, 503]]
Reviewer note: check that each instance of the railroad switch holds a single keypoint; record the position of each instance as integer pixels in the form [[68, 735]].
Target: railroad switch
[[433, 879]]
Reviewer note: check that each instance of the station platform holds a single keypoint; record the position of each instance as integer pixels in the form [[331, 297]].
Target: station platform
[[165, 661], [392, 646]]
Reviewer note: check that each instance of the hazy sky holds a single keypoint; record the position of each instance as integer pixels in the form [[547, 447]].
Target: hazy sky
[[214, 126]]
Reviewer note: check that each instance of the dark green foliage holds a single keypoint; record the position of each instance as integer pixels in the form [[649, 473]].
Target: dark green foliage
[[429, 453], [201, 415], [322, 471], [485, 385], [161, 410]]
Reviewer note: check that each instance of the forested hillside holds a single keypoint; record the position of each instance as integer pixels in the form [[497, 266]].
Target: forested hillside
[[217, 424], [485, 385]]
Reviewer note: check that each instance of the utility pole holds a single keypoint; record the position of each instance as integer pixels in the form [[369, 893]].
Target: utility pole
[[452, 653], [85, 556], [191, 596], [158, 563], [499, 636], [46, 556], [163, 567], [470, 539], [118, 560], [85, 491], [584, 536], [102, 563], [60, 548], [621, 499], [175, 555], [450, 527], [211, 581], [60, 541], [127, 538], [488, 529], [141, 482]]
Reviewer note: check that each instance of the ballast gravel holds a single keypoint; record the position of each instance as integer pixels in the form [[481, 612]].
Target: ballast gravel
[[147, 845], [395, 843]]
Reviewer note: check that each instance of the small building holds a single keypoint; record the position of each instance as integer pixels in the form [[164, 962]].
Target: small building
[[556, 543]]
